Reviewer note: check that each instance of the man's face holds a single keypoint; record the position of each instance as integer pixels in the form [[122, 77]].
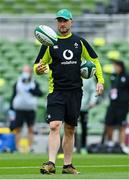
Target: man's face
[[26, 77], [117, 68], [63, 25]]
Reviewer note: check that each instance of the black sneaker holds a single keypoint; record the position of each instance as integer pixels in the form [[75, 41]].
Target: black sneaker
[[48, 168], [69, 169]]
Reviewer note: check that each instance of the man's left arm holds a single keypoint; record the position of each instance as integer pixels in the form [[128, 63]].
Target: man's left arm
[[89, 54]]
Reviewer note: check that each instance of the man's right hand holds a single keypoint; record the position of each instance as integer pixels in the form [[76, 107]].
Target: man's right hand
[[41, 68]]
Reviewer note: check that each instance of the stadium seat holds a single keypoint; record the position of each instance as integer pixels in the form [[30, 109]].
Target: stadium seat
[[2, 8], [31, 2], [124, 49], [97, 119], [19, 8], [99, 41], [113, 55], [41, 8], [106, 48]]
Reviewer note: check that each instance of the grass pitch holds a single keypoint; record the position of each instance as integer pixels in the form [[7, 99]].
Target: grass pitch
[[26, 166]]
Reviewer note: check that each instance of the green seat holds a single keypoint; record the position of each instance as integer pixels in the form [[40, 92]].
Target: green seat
[[96, 118], [9, 2], [3, 90], [9, 55], [31, 2], [10, 75], [18, 8], [41, 8], [7, 96], [29, 56], [64, 5], [16, 62], [24, 48], [124, 49], [127, 56], [76, 10], [1, 8], [4, 68], [106, 48], [116, 44], [4, 48], [19, 43], [41, 113]]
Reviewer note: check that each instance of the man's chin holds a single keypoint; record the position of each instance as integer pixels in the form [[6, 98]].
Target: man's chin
[[64, 32]]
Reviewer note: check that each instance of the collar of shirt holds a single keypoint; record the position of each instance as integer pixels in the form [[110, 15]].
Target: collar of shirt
[[64, 37]]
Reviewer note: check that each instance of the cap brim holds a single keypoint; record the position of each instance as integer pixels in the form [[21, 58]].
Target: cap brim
[[63, 17]]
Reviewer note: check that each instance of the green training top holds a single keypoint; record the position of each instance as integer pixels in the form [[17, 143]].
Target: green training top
[[64, 60]]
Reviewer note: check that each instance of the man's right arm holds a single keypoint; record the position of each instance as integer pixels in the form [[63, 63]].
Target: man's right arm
[[42, 59]]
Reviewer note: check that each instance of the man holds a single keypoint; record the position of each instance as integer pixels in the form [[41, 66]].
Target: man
[[118, 107], [89, 100], [65, 93], [24, 104]]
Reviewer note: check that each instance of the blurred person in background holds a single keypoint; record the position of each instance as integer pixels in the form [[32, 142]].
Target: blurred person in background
[[23, 104], [118, 107], [89, 100]]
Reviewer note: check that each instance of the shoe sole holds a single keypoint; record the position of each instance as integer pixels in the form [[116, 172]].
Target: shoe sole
[[43, 171], [70, 173]]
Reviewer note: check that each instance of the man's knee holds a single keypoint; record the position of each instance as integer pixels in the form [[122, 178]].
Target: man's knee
[[17, 130], [69, 130], [30, 129], [55, 126]]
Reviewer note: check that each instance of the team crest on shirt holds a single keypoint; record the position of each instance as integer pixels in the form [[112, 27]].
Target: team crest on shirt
[[76, 45], [55, 47]]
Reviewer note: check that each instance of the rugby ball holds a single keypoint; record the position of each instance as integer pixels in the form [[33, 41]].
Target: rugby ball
[[88, 69], [46, 35]]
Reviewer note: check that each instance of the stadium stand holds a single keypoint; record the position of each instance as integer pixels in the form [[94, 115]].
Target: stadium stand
[[78, 7], [39, 6]]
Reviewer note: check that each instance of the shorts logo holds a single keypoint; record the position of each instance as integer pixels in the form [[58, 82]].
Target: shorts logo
[[68, 54], [123, 79], [49, 116]]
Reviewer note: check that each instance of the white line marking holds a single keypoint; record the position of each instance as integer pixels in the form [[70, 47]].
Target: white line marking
[[81, 166]]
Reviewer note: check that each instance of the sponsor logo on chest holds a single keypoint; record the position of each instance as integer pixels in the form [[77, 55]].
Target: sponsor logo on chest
[[67, 55]]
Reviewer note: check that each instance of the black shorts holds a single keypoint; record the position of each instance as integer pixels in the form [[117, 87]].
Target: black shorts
[[25, 116], [64, 106], [116, 115]]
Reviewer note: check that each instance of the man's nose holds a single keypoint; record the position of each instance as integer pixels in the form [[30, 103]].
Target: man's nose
[[62, 22]]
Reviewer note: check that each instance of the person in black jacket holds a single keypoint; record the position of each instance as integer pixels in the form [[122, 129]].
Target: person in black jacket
[[118, 107], [24, 104]]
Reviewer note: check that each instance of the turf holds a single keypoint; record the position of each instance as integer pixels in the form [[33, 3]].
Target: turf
[[26, 166]]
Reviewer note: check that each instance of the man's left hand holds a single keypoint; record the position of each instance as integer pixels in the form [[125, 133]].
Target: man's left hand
[[99, 88]]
